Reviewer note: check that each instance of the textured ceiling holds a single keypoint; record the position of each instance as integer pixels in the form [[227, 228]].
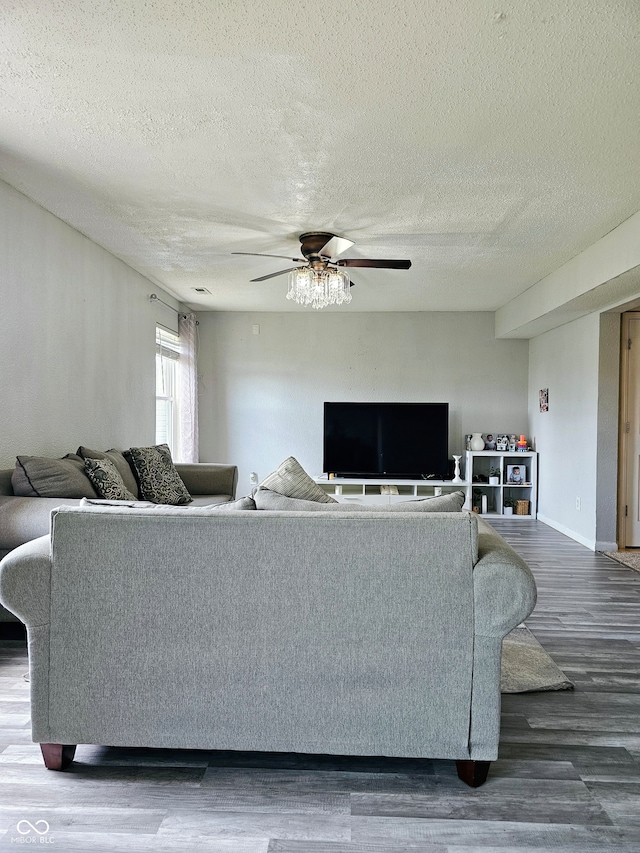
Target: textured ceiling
[[488, 142]]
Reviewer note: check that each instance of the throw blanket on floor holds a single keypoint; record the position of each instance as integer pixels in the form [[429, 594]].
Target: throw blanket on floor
[[527, 667]]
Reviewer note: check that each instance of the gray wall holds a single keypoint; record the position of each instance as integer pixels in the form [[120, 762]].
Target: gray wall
[[577, 438], [607, 433], [261, 396], [77, 339]]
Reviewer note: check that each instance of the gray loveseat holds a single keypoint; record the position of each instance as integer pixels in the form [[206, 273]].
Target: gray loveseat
[[338, 632], [26, 518]]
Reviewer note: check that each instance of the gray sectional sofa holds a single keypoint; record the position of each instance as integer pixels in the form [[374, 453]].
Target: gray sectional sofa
[[357, 633], [25, 518]]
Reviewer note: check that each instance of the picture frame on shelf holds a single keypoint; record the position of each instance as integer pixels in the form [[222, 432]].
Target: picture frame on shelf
[[490, 441], [516, 475]]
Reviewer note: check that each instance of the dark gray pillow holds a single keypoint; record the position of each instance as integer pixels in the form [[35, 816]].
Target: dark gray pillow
[[43, 477], [290, 479], [117, 457], [266, 499], [157, 476], [106, 480]]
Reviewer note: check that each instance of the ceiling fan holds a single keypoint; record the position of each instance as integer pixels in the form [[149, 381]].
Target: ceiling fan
[[320, 251]]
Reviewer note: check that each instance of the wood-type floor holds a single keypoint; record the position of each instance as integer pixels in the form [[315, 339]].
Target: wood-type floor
[[568, 777]]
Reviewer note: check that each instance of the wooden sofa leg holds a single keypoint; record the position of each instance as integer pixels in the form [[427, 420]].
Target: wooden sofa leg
[[474, 773], [57, 756]]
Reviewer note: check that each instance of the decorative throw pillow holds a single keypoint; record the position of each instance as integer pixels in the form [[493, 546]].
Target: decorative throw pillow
[[266, 499], [117, 457], [290, 479], [157, 476], [42, 477], [106, 480]]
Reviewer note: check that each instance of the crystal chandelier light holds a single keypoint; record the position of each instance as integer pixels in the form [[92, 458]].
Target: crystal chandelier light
[[319, 288]]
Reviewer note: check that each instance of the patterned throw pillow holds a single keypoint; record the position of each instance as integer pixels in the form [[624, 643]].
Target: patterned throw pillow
[[157, 476], [117, 457], [106, 480], [290, 479]]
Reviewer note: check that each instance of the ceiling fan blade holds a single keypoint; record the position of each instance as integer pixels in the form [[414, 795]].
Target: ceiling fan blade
[[260, 255], [335, 246], [380, 263], [273, 274]]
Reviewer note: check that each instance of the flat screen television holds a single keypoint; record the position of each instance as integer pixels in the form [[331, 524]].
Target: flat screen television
[[406, 440]]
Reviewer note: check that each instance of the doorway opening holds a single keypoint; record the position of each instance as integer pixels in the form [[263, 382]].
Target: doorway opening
[[629, 456]]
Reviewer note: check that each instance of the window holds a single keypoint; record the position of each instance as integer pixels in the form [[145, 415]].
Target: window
[[167, 415]]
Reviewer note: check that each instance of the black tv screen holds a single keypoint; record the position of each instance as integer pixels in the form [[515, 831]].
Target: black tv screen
[[409, 440]]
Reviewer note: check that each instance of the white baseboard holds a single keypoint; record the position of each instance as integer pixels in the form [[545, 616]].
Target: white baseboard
[[588, 543]]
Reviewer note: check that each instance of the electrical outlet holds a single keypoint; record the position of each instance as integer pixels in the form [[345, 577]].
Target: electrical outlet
[[578, 504], [256, 328], [253, 478]]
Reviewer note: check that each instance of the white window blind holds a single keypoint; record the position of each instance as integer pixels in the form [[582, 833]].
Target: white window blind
[[167, 352]]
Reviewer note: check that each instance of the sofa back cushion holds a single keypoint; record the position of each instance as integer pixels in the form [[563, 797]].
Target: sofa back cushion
[[43, 477], [266, 499]]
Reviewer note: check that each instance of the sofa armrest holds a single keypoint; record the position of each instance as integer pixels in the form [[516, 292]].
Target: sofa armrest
[[503, 587], [22, 519], [25, 581], [209, 478]]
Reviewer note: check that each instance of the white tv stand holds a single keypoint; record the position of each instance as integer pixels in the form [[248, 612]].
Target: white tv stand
[[366, 491], [483, 463]]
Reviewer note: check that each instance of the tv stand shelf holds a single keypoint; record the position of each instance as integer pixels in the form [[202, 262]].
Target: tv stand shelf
[[368, 491]]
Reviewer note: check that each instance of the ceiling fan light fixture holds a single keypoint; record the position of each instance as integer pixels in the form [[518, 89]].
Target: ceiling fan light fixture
[[319, 288]]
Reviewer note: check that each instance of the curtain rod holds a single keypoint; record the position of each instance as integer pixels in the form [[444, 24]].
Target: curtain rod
[[153, 297]]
